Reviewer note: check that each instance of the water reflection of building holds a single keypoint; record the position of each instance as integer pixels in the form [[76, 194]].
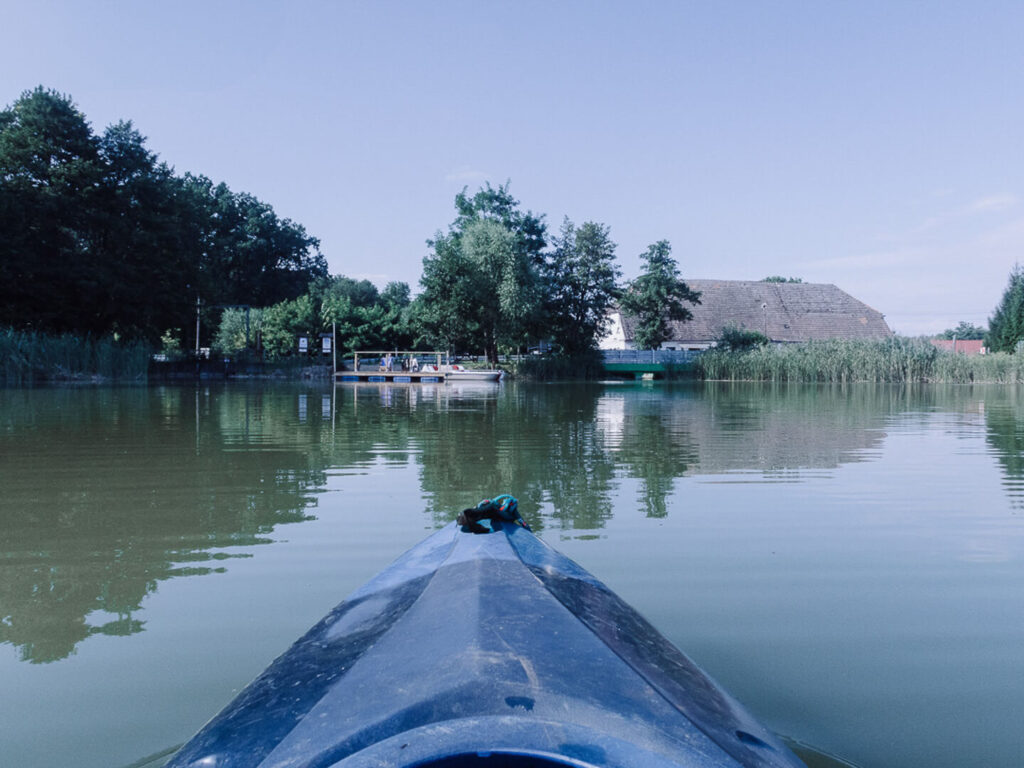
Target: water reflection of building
[[728, 427]]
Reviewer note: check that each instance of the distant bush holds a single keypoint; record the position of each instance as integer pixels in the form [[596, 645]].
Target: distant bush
[[740, 339], [896, 359]]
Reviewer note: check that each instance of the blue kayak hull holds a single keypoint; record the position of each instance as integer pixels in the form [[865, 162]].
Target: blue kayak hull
[[483, 650]]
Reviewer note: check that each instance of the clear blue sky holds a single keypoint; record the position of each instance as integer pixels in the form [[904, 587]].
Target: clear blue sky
[[874, 145]]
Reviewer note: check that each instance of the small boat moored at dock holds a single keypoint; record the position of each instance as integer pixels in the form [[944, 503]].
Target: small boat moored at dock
[[484, 649], [459, 373]]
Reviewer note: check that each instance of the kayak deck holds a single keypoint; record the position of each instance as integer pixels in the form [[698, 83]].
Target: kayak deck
[[484, 649]]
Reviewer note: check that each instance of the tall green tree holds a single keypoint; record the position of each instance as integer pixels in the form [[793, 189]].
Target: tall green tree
[[49, 172], [140, 271], [480, 285], [396, 332], [498, 204], [657, 296], [447, 310], [510, 289], [1006, 326], [581, 276]]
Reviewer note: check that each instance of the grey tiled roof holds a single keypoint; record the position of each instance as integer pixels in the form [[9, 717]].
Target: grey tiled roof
[[791, 312]]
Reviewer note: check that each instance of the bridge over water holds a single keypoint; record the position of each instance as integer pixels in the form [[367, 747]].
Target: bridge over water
[[649, 363]]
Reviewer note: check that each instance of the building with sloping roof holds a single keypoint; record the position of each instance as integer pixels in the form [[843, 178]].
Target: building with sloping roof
[[784, 312]]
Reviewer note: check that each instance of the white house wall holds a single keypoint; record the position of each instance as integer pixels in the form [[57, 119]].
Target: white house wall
[[615, 338]]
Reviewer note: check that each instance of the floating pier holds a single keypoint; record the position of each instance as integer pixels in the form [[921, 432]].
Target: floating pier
[[433, 367], [399, 377]]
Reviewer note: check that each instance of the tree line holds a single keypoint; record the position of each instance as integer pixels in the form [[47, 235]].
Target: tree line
[[494, 281], [98, 237], [101, 238]]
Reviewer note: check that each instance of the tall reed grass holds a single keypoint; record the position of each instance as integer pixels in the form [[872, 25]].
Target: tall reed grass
[[896, 359], [28, 357], [588, 365]]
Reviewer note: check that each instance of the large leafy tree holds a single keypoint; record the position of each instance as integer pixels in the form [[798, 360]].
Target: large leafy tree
[[139, 270], [49, 172], [497, 204], [1006, 326], [480, 285], [581, 276], [447, 310], [98, 237], [245, 253], [657, 296], [510, 299]]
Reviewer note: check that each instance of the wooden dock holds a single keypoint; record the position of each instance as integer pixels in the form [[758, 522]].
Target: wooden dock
[[432, 367]]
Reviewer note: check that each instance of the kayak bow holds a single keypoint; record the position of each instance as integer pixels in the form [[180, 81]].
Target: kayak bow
[[484, 650]]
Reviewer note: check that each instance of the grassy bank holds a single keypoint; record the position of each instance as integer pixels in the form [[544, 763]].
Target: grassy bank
[[897, 359], [27, 357]]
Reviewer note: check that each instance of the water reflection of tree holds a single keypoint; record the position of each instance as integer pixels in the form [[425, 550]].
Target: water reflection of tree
[[82, 551], [656, 447], [1004, 423], [539, 443], [173, 482]]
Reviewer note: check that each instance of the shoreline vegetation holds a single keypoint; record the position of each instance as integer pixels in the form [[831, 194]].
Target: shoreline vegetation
[[31, 357], [28, 358], [897, 359]]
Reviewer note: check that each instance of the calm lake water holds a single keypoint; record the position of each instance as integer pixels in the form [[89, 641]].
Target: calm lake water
[[847, 561]]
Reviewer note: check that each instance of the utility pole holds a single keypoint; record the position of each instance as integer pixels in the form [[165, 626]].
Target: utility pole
[[197, 327]]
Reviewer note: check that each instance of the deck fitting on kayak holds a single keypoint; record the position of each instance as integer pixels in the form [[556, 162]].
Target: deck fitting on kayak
[[504, 508]]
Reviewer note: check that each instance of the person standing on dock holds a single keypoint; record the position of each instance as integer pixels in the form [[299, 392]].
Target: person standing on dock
[[414, 364]]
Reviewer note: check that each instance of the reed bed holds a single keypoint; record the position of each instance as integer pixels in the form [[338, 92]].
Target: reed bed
[[588, 365], [897, 359], [28, 357]]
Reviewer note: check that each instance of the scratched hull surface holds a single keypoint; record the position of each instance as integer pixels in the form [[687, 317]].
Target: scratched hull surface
[[489, 649]]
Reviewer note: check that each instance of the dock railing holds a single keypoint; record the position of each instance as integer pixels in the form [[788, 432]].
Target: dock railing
[[423, 357], [649, 356]]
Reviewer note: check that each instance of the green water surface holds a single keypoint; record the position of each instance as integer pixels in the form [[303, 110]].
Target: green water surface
[[847, 561]]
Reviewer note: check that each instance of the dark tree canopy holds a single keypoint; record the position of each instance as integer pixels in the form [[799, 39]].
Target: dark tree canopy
[[1006, 326], [580, 275], [657, 296], [97, 236]]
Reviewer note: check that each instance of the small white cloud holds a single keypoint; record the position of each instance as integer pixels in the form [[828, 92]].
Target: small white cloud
[[993, 203]]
